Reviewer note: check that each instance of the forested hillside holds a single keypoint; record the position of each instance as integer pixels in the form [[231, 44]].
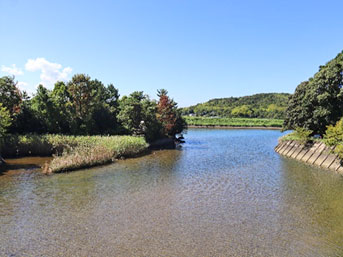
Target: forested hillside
[[268, 105]]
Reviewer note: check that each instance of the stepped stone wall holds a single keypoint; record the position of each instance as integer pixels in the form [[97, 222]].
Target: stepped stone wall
[[317, 154]]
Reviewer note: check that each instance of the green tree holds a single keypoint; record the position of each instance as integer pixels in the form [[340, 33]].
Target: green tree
[[138, 116], [62, 107], [105, 108], [27, 120], [10, 95], [93, 106], [5, 120], [44, 107], [318, 102], [131, 112], [152, 127], [80, 91]]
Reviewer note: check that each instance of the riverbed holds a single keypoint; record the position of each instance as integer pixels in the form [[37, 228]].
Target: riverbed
[[223, 193]]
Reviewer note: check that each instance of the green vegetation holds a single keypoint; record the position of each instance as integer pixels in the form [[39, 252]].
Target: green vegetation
[[301, 135], [318, 102], [5, 121], [82, 107], [85, 106], [72, 152], [270, 106], [334, 137], [315, 110], [233, 122], [96, 150]]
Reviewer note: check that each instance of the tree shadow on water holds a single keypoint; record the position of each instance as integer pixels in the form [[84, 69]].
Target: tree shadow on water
[[15, 167]]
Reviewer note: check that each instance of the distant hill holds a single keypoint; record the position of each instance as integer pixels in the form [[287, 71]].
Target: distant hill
[[268, 105]]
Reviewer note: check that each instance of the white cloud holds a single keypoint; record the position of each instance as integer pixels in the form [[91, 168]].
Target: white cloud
[[50, 72], [13, 70], [24, 86]]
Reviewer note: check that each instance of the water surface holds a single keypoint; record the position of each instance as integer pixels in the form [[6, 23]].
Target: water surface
[[225, 193]]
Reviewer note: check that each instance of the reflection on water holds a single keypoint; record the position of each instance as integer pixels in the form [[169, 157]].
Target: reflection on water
[[225, 193]]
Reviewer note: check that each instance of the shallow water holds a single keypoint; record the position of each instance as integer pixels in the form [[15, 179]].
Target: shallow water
[[225, 193]]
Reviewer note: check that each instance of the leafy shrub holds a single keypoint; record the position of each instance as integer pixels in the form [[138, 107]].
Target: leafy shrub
[[301, 135], [334, 137], [334, 134]]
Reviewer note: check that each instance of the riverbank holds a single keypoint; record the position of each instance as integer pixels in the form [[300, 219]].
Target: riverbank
[[233, 122], [73, 152], [231, 127], [317, 154]]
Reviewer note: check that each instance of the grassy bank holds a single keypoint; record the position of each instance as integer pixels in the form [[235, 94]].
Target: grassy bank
[[233, 122], [73, 152]]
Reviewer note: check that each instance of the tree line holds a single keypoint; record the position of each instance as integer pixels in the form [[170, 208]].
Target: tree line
[[85, 106], [265, 105]]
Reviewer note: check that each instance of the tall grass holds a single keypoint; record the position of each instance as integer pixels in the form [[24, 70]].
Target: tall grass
[[233, 122], [73, 152]]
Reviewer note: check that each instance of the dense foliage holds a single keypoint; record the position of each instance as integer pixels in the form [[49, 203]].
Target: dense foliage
[[168, 114], [334, 137], [5, 121], [318, 102], [85, 106], [233, 122], [301, 135], [271, 105]]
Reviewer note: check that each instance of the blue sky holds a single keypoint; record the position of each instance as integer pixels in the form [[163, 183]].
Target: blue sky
[[197, 50]]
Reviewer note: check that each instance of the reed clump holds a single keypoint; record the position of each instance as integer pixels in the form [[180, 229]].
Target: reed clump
[[73, 152], [80, 157]]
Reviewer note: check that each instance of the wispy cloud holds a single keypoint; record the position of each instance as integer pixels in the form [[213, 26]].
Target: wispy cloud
[[13, 70], [22, 85], [50, 72]]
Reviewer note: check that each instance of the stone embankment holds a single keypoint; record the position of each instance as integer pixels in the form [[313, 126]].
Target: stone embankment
[[317, 154]]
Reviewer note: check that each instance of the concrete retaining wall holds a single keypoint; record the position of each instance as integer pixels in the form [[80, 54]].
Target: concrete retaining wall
[[317, 154]]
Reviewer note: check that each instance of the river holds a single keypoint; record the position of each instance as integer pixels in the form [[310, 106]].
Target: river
[[224, 193]]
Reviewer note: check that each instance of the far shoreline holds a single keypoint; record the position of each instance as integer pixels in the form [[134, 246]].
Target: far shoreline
[[232, 127]]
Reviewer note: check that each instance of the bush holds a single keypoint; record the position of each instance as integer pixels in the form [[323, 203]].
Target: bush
[[334, 137], [334, 134], [301, 135]]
